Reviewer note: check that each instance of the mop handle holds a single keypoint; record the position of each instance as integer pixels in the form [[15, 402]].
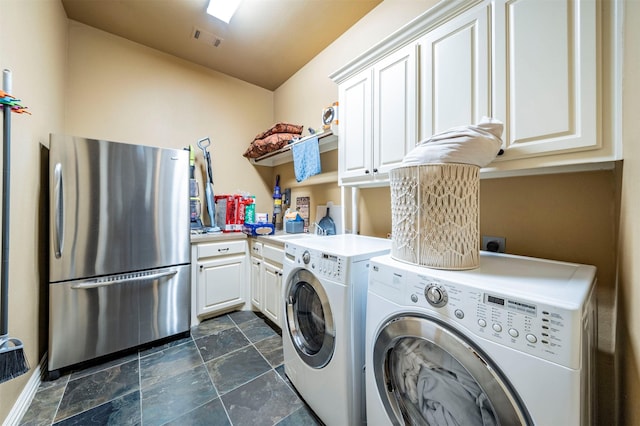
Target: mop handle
[[6, 139]]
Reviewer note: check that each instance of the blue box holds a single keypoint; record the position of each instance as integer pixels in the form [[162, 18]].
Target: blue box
[[256, 229]]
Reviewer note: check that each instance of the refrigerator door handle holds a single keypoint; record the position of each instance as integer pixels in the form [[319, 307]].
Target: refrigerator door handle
[[59, 211], [123, 279]]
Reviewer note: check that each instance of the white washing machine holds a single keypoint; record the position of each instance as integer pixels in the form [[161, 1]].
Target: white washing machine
[[325, 292], [511, 342]]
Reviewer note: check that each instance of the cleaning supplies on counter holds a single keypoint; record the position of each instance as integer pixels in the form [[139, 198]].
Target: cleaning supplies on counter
[[257, 229], [232, 209], [293, 223], [262, 226], [277, 205], [250, 209]]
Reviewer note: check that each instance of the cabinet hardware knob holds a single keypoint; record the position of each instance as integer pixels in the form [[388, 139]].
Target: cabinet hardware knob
[[366, 172], [222, 250], [375, 170], [201, 267]]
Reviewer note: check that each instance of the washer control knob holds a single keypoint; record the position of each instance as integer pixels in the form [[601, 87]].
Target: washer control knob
[[482, 323], [532, 338], [306, 257], [414, 298], [436, 295], [513, 332], [497, 327]]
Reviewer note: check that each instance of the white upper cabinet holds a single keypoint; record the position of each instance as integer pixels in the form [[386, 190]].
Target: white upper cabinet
[[377, 118], [546, 80], [548, 69], [394, 110], [455, 77], [355, 153]]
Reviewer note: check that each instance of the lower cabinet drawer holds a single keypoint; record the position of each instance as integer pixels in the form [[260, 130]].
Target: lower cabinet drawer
[[221, 248], [273, 253]]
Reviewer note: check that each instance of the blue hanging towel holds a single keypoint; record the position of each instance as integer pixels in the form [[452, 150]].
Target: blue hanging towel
[[306, 158]]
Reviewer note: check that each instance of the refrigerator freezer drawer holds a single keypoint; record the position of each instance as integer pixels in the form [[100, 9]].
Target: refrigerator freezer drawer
[[96, 317]]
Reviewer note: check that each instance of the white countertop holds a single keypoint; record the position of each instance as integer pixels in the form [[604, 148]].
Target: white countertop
[[280, 237], [222, 236]]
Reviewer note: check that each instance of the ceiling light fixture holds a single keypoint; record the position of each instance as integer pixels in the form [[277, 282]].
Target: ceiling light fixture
[[223, 9]]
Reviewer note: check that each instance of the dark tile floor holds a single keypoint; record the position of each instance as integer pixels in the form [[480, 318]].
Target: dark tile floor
[[229, 371]]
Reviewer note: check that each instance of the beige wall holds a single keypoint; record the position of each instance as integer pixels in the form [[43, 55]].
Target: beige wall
[[123, 91], [38, 66], [300, 99], [629, 222]]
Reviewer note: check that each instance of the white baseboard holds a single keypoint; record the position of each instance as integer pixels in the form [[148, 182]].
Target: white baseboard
[[27, 394]]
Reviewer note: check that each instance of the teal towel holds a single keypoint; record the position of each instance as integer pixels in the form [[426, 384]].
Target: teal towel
[[306, 158]]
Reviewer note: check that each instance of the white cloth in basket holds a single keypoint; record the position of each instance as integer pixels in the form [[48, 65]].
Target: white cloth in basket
[[477, 145]]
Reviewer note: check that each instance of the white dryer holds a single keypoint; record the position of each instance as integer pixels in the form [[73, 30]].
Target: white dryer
[[510, 342], [325, 292]]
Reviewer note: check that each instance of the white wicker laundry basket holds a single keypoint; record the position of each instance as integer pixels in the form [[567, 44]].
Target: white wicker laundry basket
[[435, 215]]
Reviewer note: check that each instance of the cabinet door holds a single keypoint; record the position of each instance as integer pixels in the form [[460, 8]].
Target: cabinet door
[[256, 280], [454, 73], [221, 283], [272, 299], [394, 109], [546, 79], [354, 145]]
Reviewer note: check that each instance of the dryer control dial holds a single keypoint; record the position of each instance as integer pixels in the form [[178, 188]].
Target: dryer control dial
[[436, 295], [306, 257]]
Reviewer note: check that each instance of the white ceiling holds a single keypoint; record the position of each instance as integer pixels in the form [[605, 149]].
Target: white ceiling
[[265, 43]]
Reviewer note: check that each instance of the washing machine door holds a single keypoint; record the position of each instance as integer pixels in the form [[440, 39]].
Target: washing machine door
[[428, 373], [309, 319]]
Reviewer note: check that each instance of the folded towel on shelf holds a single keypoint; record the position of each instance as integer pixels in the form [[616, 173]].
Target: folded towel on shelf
[[306, 158]]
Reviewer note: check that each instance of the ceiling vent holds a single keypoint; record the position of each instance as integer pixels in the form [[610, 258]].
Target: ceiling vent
[[206, 37]]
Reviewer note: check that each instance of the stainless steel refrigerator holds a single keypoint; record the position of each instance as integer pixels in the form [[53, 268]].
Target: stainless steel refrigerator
[[119, 247]]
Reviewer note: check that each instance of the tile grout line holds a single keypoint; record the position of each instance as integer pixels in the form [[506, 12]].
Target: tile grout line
[[204, 364], [140, 387]]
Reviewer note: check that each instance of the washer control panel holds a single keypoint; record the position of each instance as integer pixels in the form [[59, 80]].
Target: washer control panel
[[541, 330], [323, 265]]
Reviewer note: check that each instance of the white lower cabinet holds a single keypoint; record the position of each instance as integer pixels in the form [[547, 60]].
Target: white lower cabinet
[[219, 276], [266, 279], [256, 293], [272, 290]]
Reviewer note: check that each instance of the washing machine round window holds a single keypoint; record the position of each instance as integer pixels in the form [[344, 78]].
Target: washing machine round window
[[309, 319], [427, 373]]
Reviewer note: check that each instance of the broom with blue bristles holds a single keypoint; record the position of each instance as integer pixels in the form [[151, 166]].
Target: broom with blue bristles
[[13, 362]]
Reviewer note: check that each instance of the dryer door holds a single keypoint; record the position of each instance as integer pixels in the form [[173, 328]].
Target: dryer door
[[309, 319], [428, 373]]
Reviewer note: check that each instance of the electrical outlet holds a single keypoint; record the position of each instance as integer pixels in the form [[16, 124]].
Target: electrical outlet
[[495, 244]]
